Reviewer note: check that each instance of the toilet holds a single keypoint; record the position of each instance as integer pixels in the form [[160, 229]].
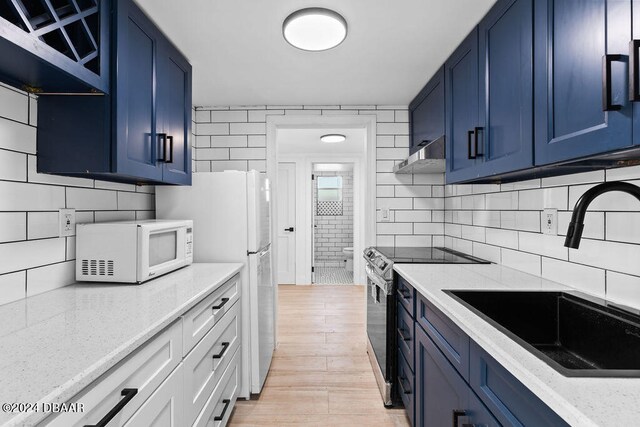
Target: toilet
[[348, 254]]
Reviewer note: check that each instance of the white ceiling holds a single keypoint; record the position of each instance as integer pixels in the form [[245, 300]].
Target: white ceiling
[[239, 56], [307, 141]]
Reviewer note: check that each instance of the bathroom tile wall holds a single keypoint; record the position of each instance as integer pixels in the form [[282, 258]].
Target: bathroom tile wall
[[333, 233], [33, 259], [235, 138], [503, 223]]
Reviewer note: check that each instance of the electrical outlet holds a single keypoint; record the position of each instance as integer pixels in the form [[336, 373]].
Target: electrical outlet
[[385, 214], [550, 222], [67, 222]]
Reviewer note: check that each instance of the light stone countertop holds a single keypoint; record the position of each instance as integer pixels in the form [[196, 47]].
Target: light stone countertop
[[579, 401], [54, 344]]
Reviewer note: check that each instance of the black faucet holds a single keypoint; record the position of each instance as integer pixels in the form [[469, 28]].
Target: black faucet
[[574, 232]]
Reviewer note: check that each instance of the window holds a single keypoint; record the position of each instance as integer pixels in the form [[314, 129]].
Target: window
[[329, 196]]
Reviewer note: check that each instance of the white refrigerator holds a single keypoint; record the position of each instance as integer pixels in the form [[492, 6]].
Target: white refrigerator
[[231, 223]]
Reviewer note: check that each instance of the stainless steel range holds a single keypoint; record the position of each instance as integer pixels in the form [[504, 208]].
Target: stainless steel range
[[382, 305]]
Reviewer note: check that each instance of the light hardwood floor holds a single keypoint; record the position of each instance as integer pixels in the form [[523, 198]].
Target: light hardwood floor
[[320, 374]]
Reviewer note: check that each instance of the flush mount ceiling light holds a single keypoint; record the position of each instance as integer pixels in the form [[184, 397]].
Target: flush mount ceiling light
[[332, 138], [314, 29]]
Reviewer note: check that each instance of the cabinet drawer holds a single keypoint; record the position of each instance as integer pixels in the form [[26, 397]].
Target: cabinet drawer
[[406, 388], [218, 409], [510, 402], [143, 371], [201, 318], [449, 338], [405, 335], [165, 407], [205, 365], [406, 295]]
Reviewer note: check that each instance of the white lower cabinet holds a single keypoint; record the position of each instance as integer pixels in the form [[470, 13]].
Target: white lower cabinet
[[188, 373], [165, 407]]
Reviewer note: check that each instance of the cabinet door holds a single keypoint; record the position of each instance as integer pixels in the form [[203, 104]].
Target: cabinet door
[[461, 91], [174, 113], [427, 113], [136, 143], [634, 55], [506, 87], [439, 389], [572, 39]]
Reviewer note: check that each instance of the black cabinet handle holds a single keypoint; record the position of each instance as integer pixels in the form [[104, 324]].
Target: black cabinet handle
[[457, 413], [469, 135], [170, 158], [163, 150], [424, 142], [634, 71], [402, 389], [607, 103], [403, 335], [128, 394], [225, 346], [224, 410], [405, 293], [222, 303], [290, 229], [477, 131]]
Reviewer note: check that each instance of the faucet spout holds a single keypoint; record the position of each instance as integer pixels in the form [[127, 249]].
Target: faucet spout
[[576, 226]]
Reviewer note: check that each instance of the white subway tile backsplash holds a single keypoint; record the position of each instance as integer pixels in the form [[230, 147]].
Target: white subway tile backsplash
[[413, 241], [202, 116], [486, 252], [43, 178], [228, 116], [257, 140], [543, 244], [402, 116], [236, 165], [247, 128], [104, 185], [381, 240], [430, 228], [413, 191], [212, 129], [43, 225], [522, 261], [213, 154], [394, 179], [13, 226], [12, 287], [392, 153], [385, 190], [108, 216], [247, 153], [385, 166], [428, 203], [584, 278], [502, 201], [258, 165], [619, 257], [385, 141], [14, 105], [17, 136], [502, 238], [429, 179], [395, 228], [227, 141], [593, 224], [14, 165], [392, 129], [29, 254], [623, 226], [486, 218], [402, 141], [85, 199], [136, 201], [573, 179], [623, 289], [616, 200], [16, 196], [381, 115], [414, 216], [49, 277]]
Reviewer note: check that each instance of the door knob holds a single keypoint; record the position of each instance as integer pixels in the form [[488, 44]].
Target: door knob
[[290, 229]]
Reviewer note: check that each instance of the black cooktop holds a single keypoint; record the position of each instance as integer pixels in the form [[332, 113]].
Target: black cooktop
[[428, 255]]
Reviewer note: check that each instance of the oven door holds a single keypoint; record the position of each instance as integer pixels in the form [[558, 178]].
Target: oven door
[[379, 313]]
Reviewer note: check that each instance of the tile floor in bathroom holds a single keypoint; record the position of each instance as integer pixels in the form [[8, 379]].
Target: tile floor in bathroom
[[333, 276]]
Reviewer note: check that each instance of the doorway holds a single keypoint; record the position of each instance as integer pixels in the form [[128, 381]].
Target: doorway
[[332, 223]]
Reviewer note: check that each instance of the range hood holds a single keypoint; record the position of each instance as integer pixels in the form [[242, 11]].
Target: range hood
[[429, 159]]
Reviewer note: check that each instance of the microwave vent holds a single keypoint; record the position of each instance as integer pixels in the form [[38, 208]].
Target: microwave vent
[[97, 267]]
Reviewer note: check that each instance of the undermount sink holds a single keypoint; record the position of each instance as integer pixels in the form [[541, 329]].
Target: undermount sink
[[577, 335]]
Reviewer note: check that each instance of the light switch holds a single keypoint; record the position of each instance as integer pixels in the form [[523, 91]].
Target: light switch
[[385, 214]]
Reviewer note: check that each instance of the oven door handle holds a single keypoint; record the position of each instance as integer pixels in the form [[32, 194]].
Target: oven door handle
[[377, 280]]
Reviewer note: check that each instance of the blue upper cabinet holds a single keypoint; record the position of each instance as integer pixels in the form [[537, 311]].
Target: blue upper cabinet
[[140, 131], [489, 96], [505, 39], [426, 113], [634, 71], [581, 106], [461, 89], [55, 46]]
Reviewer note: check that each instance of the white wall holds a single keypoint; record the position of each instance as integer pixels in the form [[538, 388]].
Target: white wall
[[502, 223], [32, 258], [235, 138]]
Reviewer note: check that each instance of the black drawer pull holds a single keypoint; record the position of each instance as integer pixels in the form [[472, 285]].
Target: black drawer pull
[[225, 346], [170, 158], [457, 413], [401, 383], [469, 135], [128, 394], [607, 102], [424, 142], [224, 410], [476, 132], [219, 306], [163, 139], [402, 334], [405, 293], [634, 71]]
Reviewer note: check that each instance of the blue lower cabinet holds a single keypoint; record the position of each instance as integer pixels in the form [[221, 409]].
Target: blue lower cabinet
[[582, 106], [443, 398], [406, 387], [511, 402], [139, 132]]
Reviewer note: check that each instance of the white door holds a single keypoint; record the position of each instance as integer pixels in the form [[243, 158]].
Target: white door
[[286, 223]]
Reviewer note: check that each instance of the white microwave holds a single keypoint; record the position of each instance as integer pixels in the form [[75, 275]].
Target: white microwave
[[132, 251]]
